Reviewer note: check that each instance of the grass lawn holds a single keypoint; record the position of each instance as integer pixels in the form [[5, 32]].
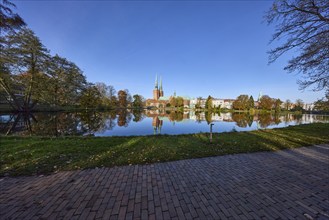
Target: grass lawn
[[44, 155]]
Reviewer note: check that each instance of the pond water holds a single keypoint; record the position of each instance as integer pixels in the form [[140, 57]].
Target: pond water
[[127, 123]]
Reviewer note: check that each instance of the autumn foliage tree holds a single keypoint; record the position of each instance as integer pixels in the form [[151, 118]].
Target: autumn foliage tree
[[277, 105], [138, 101], [91, 97], [241, 102], [176, 101], [122, 99], [266, 102]]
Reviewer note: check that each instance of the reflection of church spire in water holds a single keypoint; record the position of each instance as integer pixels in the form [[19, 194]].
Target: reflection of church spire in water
[[160, 126]]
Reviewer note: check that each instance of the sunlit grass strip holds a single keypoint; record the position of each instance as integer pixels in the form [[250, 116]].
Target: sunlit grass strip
[[43, 155]]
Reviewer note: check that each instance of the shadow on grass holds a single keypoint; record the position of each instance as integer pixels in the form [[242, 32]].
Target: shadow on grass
[[39, 155]]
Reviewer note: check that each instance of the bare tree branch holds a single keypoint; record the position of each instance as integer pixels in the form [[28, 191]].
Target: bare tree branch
[[303, 26]]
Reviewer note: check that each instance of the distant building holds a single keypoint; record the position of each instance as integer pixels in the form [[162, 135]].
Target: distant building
[[223, 103], [309, 107], [159, 100]]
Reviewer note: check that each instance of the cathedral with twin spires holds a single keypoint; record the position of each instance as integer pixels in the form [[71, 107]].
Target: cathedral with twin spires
[[158, 91], [158, 100]]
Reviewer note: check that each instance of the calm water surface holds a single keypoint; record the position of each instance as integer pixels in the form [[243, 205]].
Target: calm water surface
[[126, 123]]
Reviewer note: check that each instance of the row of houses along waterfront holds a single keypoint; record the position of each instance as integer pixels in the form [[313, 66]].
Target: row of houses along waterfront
[[161, 101]]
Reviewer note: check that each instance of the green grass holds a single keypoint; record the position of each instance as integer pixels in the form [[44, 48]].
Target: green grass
[[44, 155]]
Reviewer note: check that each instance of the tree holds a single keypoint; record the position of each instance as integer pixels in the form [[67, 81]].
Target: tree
[[251, 102], [208, 104], [129, 98], [198, 103], [176, 101], [241, 102], [266, 103], [240, 118], [287, 104], [179, 101], [91, 97], [122, 99], [173, 102], [298, 105], [111, 94], [9, 21], [304, 24], [107, 93], [23, 54], [277, 105], [66, 81], [322, 104], [138, 101]]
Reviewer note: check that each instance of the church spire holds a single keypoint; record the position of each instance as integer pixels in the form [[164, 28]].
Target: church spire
[[160, 83], [156, 81], [260, 95]]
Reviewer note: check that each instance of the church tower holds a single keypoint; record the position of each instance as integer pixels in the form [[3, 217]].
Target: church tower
[[259, 96], [161, 90], [156, 92]]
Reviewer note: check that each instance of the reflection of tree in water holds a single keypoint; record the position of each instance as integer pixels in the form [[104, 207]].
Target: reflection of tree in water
[[59, 124], [265, 120], [286, 118], [17, 123], [298, 118], [241, 119], [138, 115], [277, 119], [198, 117], [56, 124], [124, 118], [92, 122], [208, 116], [110, 120], [176, 116], [250, 119], [43, 124]]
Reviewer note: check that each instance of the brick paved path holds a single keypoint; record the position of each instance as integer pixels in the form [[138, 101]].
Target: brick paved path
[[289, 184]]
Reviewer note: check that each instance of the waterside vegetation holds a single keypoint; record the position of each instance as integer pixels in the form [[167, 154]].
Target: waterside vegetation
[[45, 155]]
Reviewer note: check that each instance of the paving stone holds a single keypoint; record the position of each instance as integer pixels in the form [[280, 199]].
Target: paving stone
[[287, 184]]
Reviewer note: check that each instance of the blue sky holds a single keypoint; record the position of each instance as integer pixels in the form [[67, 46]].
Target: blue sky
[[199, 48]]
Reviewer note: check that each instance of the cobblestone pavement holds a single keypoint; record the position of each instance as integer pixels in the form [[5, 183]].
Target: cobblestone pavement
[[288, 184]]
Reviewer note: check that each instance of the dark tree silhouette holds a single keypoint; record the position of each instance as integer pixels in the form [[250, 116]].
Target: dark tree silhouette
[[9, 20], [304, 26]]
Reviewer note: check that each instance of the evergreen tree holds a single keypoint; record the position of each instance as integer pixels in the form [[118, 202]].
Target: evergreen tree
[[208, 104], [251, 102], [9, 20]]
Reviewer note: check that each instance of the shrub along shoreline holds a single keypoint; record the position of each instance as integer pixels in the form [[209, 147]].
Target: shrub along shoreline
[[45, 155]]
